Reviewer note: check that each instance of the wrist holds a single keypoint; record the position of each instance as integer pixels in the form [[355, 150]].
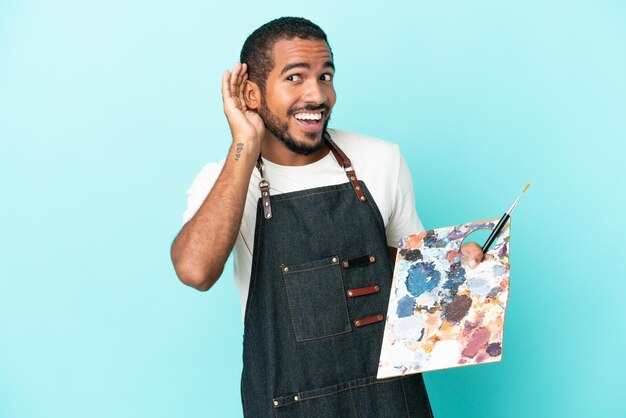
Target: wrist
[[244, 150]]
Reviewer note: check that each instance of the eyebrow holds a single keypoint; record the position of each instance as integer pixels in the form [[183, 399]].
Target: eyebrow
[[327, 64]]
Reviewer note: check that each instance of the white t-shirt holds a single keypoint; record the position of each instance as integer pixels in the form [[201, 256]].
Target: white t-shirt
[[377, 163]]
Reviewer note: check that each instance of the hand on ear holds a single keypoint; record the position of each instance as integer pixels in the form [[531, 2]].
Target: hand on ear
[[241, 98]]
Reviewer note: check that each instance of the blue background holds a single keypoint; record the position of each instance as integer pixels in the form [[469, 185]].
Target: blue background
[[108, 109]]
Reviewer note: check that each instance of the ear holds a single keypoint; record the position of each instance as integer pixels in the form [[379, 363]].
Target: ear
[[252, 95]]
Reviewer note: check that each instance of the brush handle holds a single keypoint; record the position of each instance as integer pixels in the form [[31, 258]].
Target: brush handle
[[495, 232]]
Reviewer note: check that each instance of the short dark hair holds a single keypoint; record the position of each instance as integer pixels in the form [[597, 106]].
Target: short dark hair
[[257, 49]]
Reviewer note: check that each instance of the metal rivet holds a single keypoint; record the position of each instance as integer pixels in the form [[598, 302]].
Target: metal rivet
[[357, 323], [275, 403], [377, 288], [268, 215], [362, 198], [352, 178], [372, 258], [358, 187], [349, 292], [295, 398], [286, 269], [380, 317], [345, 264], [264, 193]]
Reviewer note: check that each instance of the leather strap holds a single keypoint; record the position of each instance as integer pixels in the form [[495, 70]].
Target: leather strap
[[362, 291], [369, 320], [265, 198], [347, 165], [358, 261], [264, 185]]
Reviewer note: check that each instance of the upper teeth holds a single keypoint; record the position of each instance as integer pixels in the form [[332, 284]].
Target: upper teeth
[[312, 116]]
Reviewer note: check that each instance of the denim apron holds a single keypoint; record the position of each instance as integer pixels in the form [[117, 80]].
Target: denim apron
[[314, 318]]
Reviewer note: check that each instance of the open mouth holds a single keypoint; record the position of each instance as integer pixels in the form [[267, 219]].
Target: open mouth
[[310, 121]]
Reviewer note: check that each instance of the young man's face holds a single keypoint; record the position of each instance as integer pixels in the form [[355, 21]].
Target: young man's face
[[299, 94]]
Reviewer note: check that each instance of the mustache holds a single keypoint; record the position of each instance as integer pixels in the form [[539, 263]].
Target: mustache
[[312, 108]]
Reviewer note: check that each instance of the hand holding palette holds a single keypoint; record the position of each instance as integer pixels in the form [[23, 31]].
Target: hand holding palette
[[442, 313]]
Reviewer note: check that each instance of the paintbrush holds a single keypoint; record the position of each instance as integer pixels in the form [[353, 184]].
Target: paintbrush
[[502, 222]]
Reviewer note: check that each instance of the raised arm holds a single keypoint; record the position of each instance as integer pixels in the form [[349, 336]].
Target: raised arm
[[201, 248]]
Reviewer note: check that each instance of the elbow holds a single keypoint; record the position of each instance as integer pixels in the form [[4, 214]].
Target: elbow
[[192, 275], [196, 278]]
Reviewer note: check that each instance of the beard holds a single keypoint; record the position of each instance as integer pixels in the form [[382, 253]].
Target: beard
[[280, 130]]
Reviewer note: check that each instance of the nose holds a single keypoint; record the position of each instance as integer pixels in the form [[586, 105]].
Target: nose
[[315, 92]]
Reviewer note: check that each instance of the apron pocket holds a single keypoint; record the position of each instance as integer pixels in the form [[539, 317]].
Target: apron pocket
[[317, 301]]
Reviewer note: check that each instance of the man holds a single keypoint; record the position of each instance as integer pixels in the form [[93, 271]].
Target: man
[[313, 242]]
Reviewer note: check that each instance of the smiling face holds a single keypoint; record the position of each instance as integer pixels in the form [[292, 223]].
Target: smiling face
[[299, 94]]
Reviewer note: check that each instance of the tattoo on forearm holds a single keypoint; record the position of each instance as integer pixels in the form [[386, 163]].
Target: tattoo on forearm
[[238, 151]]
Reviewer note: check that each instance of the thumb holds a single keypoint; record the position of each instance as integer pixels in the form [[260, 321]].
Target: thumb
[[473, 253]]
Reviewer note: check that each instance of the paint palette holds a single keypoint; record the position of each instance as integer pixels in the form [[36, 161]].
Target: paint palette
[[442, 313]]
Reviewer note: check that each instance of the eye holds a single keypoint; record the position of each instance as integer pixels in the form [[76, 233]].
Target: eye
[[327, 77], [294, 77]]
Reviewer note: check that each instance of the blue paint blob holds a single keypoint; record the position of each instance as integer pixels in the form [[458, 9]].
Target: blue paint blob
[[499, 270], [431, 240], [456, 271], [456, 277], [494, 292], [479, 286], [455, 234], [405, 307], [422, 277]]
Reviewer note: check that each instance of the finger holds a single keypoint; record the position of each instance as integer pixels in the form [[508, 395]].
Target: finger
[[234, 83], [226, 91], [237, 68], [242, 83], [242, 74], [242, 90], [241, 79]]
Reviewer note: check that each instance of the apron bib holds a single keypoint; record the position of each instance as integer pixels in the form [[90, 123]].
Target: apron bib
[[318, 295]]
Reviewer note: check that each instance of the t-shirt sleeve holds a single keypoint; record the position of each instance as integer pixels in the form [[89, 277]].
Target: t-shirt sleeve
[[200, 189], [404, 220]]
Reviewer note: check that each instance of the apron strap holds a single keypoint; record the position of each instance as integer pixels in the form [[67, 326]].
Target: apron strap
[[343, 160], [347, 166], [264, 185]]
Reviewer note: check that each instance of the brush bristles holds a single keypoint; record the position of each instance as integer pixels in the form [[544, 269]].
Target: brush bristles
[[526, 187]]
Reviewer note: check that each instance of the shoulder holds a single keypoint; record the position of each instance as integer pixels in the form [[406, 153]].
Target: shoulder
[[364, 149]]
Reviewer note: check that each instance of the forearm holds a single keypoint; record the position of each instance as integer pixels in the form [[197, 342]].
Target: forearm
[[201, 249]]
